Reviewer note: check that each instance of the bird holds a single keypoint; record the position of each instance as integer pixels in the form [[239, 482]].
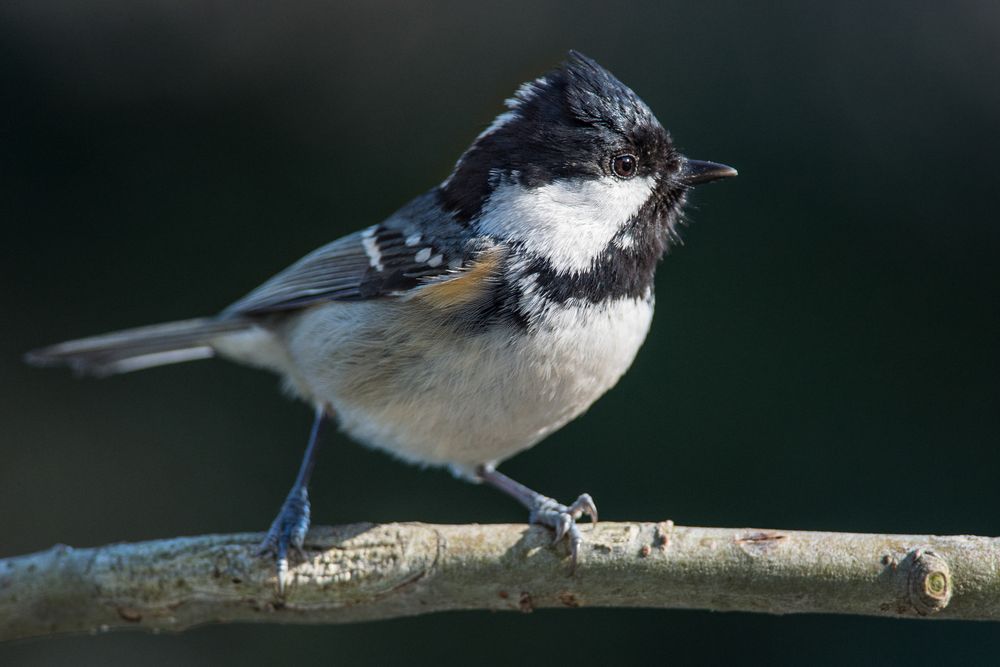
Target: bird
[[477, 319]]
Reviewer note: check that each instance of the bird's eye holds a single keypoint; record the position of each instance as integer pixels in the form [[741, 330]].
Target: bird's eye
[[624, 166]]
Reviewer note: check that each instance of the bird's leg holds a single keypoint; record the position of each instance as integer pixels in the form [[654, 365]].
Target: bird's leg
[[290, 526], [544, 510]]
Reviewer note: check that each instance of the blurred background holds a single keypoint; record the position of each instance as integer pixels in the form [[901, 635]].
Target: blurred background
[[824, 355]]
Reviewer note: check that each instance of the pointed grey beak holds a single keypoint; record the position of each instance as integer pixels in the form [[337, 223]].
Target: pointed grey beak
[[696, 172]]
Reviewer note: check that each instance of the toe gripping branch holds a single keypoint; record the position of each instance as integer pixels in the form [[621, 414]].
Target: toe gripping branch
[[563, 519], [545, 511], [289, 528]]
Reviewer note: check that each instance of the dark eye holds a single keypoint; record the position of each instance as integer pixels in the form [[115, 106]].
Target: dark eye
[[624, 166]]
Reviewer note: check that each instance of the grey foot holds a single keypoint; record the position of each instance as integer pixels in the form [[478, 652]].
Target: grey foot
[[287, 530], [562, 519]]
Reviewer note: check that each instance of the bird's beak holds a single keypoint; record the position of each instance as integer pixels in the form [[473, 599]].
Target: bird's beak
[[696, 172]]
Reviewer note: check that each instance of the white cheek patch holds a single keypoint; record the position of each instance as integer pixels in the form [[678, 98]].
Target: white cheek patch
[[568, 222]]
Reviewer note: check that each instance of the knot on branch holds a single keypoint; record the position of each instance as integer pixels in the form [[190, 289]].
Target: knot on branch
[[929, 584]]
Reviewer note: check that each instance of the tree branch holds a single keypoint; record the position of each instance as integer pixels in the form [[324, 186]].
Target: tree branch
[[363, 572]]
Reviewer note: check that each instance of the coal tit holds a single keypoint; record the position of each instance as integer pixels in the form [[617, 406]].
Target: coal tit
[[480, 317]]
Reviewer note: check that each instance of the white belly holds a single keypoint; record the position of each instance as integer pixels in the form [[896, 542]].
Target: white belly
[[437, 398]]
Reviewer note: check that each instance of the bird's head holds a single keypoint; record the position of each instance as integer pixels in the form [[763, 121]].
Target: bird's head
[[576, 164]]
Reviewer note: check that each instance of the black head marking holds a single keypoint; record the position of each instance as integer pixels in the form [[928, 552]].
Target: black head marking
[[568, 123], [596, 97]]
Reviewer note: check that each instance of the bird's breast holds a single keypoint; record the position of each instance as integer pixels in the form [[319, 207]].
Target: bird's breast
[[404, 382]]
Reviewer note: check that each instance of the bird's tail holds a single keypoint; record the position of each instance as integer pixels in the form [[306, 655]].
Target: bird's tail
[[139, 348]]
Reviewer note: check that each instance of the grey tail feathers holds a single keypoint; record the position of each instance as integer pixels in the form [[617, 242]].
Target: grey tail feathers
[[139, 348]]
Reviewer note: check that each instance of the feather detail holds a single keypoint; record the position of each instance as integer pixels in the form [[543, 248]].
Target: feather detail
[[467, 286], [139, 348]]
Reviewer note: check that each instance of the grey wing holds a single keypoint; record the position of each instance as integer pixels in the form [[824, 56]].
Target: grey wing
[[387, 259]]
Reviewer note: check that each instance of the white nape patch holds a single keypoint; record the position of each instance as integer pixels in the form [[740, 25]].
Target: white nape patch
[[567, 222], [499, 122], [524, 93], [435, 261], [422, 256], [413, 239], [370, 244]]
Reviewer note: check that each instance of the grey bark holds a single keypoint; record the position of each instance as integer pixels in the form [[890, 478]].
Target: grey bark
[[363, 572]]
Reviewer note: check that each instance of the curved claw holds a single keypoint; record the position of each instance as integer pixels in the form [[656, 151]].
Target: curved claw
[[564, 525], [575, 538], [584, 505], [287, 530], [562, 520], [281, 572]]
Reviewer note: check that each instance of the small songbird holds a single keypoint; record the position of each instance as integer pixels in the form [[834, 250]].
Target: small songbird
[[481, 316]]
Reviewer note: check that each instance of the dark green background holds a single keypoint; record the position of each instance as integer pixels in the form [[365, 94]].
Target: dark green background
[[824, 355]]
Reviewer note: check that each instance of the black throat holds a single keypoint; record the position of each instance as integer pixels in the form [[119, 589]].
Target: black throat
[[623, 270]]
